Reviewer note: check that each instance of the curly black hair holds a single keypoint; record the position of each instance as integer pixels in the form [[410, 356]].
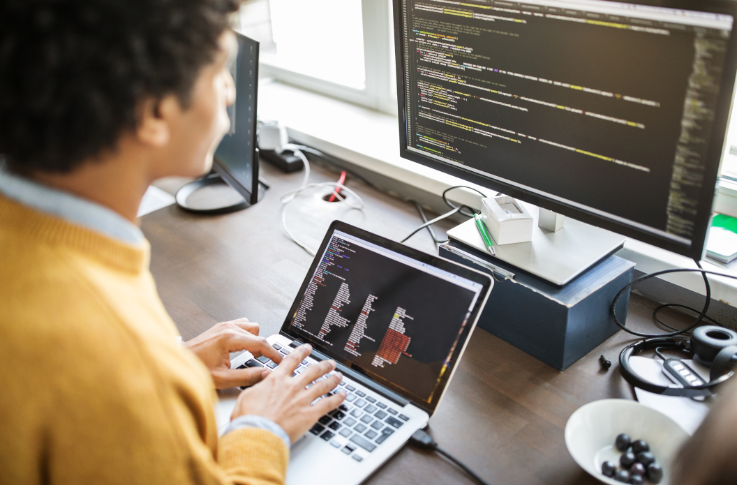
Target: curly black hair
[[73, 72]]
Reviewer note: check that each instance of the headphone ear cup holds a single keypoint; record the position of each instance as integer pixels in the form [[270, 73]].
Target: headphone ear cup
[[707, 341], [722, 363]]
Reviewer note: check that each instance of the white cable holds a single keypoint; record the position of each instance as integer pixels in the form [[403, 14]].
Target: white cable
[[287, 198]]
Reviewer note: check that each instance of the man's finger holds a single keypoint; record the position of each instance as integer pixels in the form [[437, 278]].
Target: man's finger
[[315, 371], [324, 386], [292, 360], [243, 323], [258, 346], [227, 378], [324, 406]]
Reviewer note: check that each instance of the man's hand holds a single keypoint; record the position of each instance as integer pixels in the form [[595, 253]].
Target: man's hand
[[213, 347], [284, 400]]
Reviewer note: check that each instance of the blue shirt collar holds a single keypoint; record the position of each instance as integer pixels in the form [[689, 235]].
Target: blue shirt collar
[[71, 208]]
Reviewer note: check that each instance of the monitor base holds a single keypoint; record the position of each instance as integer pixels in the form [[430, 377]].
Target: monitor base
[[557, 257], [231, 200]]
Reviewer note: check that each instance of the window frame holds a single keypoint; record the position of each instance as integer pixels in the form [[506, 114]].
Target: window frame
[[379, 90]]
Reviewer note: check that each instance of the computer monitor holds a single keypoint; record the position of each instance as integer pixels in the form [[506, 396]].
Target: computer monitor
[[613, 113], [236, 158]]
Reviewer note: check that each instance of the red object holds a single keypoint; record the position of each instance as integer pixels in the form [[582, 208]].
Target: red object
[[341, 181]]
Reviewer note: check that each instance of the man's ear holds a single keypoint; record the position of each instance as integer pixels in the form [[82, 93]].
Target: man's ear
[[154, 127]]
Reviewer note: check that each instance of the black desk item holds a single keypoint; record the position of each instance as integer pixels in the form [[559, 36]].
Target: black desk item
[[236, 158]]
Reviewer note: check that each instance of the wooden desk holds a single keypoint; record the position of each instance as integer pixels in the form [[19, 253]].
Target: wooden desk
[[504, 413]]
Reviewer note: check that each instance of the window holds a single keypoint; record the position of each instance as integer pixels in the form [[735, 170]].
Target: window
[[342, 48]]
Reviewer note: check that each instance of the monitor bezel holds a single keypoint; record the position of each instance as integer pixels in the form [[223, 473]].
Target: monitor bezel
[[716, 145], [436, 261], [249, 193]]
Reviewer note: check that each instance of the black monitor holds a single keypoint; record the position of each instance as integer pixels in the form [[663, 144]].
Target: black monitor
[[236, 158], [613, 113]]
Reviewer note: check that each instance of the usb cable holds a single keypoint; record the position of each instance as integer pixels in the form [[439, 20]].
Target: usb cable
[[423, 440]]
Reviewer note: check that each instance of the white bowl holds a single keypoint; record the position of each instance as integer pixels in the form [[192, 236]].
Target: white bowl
[[593, 428]]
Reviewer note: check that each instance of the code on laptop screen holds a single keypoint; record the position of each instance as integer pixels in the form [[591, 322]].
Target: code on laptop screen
[[396, 318]]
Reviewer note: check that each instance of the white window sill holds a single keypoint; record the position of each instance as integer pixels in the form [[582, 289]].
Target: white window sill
[[370, 139]]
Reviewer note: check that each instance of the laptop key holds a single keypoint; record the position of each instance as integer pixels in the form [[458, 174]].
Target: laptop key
[[380, 414], [361, 393], [356, 413], [343, 408], [371, 434], [381, 405], [254, 363], [348, 450], [377, 424], [359, 403], [335, 444], [324, 420], [276, 346], [350, 397], [339, 415], [403, 417], [327, 435], [370, 408], [392, 411], [317, 429], [349, 387], [335, 426], [370, 399], [358, 458], [394, 422], [366, 418], [359, 428], [363, 442], [349, 422], [263, 359], [242, 366], [345, 432], [381, 439], [271, 365]]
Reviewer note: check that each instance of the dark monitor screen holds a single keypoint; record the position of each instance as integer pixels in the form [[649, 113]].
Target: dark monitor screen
[[612, 113], [396, 318], [235, 157]]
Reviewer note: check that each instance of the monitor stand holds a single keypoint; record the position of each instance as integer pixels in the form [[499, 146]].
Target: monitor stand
[[558, 256], [212, 195]]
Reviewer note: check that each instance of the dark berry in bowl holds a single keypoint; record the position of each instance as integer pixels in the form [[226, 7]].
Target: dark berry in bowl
[[637, 468], [609, 468], [627, 459], [646, 458], [654, 473], [636, 480], [622, 476], [639, 446], [623, 442]]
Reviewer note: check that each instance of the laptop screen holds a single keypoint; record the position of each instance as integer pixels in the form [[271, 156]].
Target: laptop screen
[[396, 319]]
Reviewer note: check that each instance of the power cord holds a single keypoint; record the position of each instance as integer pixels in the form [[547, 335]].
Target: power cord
[[287, 198], [469, 212], [421, 439], [701, 316]]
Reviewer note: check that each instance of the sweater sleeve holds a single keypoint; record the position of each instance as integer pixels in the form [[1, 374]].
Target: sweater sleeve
[[251, 456]]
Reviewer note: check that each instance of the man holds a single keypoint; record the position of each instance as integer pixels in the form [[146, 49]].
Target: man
[[98, 98]]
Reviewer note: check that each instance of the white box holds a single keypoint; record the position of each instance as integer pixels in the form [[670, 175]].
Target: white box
[[507, 220]]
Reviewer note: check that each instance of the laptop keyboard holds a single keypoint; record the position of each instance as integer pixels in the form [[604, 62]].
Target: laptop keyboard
[[361, 424]]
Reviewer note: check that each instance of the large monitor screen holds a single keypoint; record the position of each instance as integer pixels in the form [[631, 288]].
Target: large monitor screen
[[613, 113], [397, 319]]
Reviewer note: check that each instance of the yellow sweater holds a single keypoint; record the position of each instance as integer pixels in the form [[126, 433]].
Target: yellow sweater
[[93, 385]]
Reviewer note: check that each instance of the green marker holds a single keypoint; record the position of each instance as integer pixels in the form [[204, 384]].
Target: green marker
[[484, 232]]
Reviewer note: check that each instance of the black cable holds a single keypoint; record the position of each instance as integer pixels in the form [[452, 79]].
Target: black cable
[[429, 227], [678, 305], [421, 439], [659, 273]]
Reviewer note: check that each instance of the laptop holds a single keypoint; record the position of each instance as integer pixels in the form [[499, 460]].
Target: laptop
[[396, 321]]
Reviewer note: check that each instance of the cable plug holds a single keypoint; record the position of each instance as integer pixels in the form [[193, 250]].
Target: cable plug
[[421, 439]]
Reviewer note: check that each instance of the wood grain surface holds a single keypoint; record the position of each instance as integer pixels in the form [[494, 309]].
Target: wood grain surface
[[504, 413]]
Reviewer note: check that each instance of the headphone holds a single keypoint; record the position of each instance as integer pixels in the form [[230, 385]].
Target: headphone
[[711, 346]]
